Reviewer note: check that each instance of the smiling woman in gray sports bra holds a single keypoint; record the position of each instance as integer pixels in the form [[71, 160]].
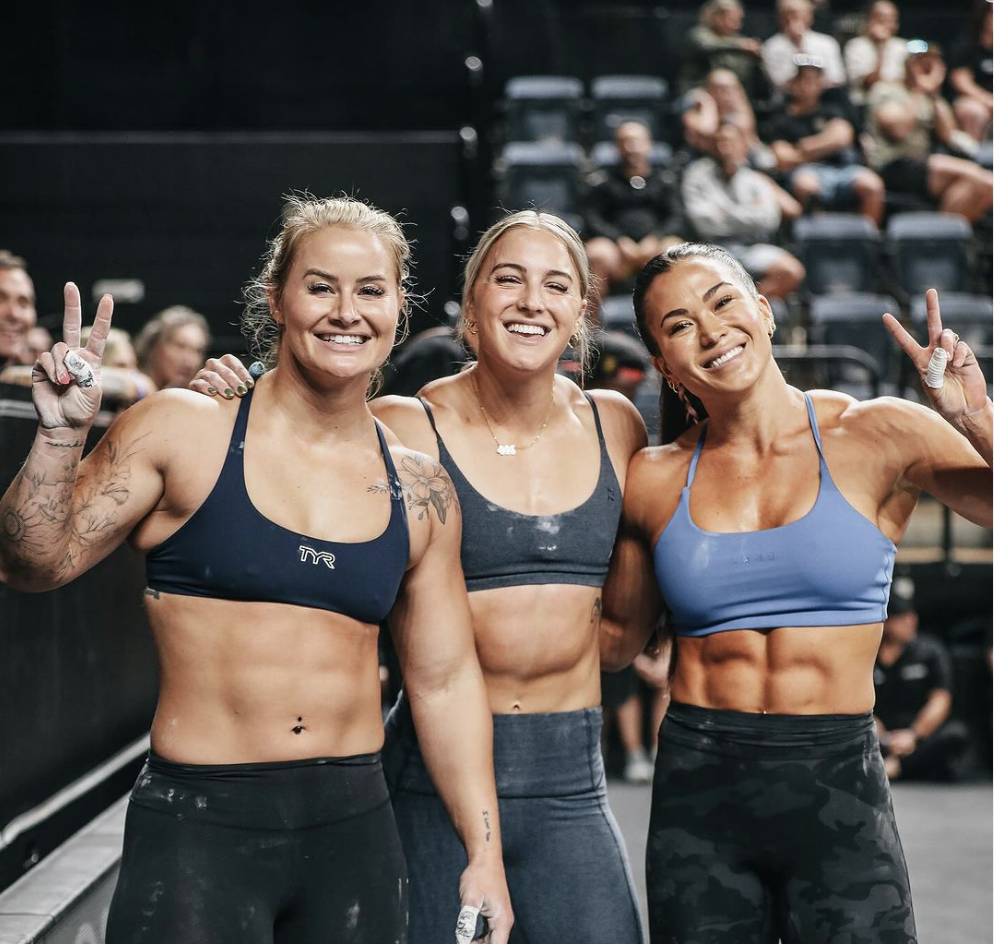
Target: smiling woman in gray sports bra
[[539, 469]]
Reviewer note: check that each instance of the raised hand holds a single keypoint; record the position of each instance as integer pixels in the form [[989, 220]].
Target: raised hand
[[226, 376], [65, 382], [964, 389]]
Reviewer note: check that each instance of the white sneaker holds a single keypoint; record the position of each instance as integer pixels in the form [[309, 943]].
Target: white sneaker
[[637, 768]]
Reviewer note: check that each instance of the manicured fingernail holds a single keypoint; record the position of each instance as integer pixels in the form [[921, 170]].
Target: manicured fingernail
[[64, 377], [250, 383], [212, 390], [228, 393], [242, 390]]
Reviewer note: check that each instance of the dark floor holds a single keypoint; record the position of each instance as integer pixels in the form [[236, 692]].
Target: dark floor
[[946, 831]]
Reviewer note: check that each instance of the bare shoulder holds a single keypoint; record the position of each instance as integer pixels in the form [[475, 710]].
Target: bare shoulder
[[406, 419], [881, 416], [172, 423], [618, 412]]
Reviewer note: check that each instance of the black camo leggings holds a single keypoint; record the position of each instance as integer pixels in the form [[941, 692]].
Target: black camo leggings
[[773, 827]]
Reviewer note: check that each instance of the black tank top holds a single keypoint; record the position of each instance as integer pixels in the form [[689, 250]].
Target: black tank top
[[229, 550], [504, 548]]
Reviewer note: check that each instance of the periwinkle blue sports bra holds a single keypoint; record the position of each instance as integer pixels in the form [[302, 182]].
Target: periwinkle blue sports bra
[[228, 550], [832, 567]]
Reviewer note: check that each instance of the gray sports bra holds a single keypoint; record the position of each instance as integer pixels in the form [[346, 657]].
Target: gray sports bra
[[504, 548]]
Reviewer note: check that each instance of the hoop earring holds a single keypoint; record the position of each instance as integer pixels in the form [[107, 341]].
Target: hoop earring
[[576, 337], [470, 326], [676, 388]]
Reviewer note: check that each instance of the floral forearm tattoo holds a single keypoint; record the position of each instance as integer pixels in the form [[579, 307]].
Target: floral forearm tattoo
[[54, 511], [424, 484]]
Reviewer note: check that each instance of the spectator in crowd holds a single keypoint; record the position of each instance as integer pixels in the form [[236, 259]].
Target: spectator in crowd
[[716, 43], [430, 354], [722, 98], [913, 678], [17, 307], [36, 340], [877, 55], [172, 346], [970, 68], [905, 120], [632, 210], [813, 142], [797, 37], [727, 202]]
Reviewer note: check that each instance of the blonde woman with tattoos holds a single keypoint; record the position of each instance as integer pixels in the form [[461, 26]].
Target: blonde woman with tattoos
[[279, 531], [539, 468]]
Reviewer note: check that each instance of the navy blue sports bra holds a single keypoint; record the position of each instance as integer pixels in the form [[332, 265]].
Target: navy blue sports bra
[[831, 567], [504, 548], [229, 551]]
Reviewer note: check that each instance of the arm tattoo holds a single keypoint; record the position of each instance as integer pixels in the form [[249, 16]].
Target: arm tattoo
[[425, 485], [595, 613], [53, 514], [486, 822]]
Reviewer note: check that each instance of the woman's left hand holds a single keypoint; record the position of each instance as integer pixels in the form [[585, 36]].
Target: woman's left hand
[[964, 389]]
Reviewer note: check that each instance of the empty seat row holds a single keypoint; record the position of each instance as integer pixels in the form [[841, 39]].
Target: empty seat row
[[842, 252], [551, 107]]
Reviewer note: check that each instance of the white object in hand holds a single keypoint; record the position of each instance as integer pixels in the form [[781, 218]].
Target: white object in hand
[[936, 368], [79, 369], [466, 924]]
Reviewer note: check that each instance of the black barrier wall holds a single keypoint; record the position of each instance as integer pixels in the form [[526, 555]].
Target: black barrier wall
[[77, 674], [187, 215]]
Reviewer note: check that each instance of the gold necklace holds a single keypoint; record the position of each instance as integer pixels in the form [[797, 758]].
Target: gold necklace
[[510, 449]]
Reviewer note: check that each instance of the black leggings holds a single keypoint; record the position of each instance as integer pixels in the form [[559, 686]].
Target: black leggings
[[773, 827], [302, 852]]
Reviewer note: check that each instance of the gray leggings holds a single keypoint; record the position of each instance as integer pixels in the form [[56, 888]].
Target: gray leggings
[[567, 870]]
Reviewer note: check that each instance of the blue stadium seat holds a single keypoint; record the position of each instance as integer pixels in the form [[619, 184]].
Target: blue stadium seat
[[929, 251], [970, 316], [840, 251], [605, 154], [618, 314], [855, 320], [543, 107], [619, 98], [543, 176]]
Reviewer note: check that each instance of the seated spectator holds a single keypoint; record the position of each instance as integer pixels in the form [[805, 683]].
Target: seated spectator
[[430, 354], [970, 68], [905, 120], [722, 98], [36, 340], [727, 202], [632, 211], [813, 143], [17, 308], [796, 37], [913, 680], [120, 380], [171, 347], [715, 43], [877, 55]]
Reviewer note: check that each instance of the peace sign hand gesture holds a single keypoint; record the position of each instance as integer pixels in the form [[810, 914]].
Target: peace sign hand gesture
[[65, 382], [963, 390]]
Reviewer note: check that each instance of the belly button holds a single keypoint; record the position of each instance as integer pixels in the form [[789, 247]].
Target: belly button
[[516, 707], [298, 728]]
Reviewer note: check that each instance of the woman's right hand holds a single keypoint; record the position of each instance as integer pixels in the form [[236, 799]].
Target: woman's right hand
[[65, 382], [226, 376]]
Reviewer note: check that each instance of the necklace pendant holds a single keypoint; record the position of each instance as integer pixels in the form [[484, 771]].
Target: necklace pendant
[[506, 449]]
